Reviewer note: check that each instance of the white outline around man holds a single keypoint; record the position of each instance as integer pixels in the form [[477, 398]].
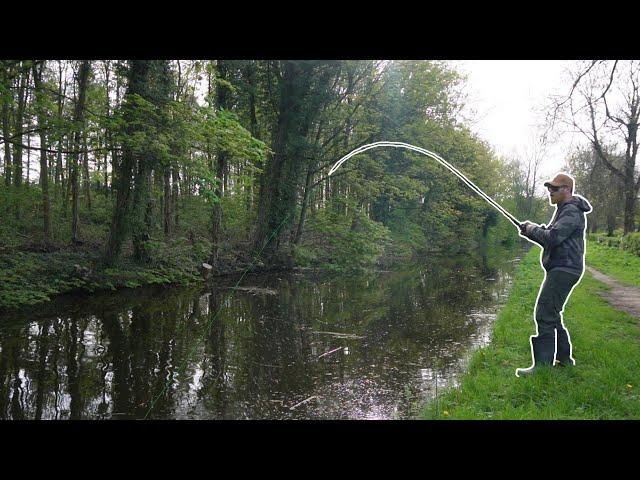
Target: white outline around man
[[562, 258]]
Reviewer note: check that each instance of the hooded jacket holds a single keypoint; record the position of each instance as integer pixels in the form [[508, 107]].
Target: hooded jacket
[[563, 238]]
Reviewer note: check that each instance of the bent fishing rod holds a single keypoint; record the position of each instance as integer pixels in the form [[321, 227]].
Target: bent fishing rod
[[442, 162]]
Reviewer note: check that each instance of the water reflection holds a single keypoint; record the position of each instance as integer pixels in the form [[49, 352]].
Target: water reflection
[[293, 346]]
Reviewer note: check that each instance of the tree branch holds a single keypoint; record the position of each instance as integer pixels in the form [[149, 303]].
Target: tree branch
[[343, 172], [598, 147], [67, 152]]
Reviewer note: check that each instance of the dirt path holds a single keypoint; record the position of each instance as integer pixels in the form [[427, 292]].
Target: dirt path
[[620, 296]]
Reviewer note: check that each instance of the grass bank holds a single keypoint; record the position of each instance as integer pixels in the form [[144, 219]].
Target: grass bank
[[615, 262], [604, 384]]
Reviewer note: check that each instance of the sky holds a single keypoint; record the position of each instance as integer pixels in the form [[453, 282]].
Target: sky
[[505, 98]]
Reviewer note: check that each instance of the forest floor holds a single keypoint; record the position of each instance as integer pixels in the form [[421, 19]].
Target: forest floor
[[604, 383]]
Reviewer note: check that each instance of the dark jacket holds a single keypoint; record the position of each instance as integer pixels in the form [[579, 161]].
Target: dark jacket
[[563, 238]]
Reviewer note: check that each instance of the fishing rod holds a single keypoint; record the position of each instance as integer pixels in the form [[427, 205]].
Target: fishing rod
[[440, 160]]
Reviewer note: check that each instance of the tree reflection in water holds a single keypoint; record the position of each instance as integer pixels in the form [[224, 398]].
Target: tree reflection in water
[[228, 354]]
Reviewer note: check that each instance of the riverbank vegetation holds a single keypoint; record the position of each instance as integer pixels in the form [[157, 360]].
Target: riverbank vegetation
[[604, 383], [122, 173]]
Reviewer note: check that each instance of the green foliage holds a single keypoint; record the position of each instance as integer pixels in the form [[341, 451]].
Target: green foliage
[[30, 278], [606, 240], [160, 126], [346, 243], [631, 243]]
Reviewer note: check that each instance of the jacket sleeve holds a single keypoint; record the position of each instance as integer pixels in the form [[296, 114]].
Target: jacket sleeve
[[541, 227], [563, 227]]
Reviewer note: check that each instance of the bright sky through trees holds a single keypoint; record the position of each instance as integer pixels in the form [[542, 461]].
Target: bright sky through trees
[[506, 100]]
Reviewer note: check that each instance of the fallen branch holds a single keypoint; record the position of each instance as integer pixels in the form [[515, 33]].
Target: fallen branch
[[339, 335], [330, 352], [258, 290], [304, 401]]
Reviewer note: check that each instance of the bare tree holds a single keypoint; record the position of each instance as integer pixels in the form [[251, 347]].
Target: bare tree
[[533, 156], [604, 106]]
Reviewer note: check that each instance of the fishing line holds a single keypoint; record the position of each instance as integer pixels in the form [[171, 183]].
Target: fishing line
[[440, 160]]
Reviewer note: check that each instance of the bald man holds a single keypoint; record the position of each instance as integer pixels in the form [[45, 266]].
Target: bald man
[[563, 242]]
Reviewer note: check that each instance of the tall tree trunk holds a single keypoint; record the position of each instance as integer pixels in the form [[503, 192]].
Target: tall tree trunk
[[253, 120], [175, 180], [166, 202], [158, 91], [305, 202], [6, 133], [124, 169], [85, 164], [19, 118], [44, 172], [28, 153], [222, 103], [141, 199], [7, 102], [107, 131], [148, 79], [67, 166], [630, 200], [59, 174], [78, 119], [277, 195]]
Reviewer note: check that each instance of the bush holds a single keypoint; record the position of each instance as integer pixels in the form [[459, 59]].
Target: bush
[[602, 239], [342, 244], [631, 243]]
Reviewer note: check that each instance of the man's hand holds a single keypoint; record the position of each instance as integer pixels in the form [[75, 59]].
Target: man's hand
[[526, 227]]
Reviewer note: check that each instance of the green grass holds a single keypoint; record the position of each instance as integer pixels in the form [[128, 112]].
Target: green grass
[[604, 384], [617, 263]]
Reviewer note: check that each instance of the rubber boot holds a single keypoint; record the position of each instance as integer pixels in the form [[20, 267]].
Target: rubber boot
[[543, 350], [563, 354]]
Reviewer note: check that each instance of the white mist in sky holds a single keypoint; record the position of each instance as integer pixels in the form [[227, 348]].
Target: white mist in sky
[[506, 101]]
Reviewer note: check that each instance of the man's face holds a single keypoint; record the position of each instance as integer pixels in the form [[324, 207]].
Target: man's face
[[557, 194]]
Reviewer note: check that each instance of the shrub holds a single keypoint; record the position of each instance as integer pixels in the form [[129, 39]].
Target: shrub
[[602, 239], [631, 243]]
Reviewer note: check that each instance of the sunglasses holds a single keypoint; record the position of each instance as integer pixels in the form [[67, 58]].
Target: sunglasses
[[555, 189]]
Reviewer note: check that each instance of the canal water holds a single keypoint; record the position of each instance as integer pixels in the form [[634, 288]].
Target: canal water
[[275, 346]]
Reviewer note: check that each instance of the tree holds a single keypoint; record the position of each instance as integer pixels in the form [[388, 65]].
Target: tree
[[143, 143], [24, 73], [223, 99], [42, 115], [7, 69], [301, 92], [604, 106], [78, 127], [600, 185]]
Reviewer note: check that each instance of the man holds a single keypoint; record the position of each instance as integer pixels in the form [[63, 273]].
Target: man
[[563, 243]]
